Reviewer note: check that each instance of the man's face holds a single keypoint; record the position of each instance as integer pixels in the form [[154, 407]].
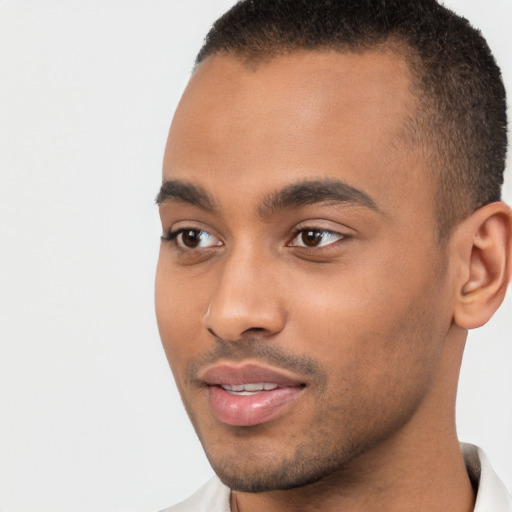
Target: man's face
[[300, 296]]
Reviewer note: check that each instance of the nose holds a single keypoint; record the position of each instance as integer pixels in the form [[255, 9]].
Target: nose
[[245, 299]]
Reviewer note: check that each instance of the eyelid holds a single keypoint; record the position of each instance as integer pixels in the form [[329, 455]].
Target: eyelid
[[341, 232], [173, 233], [325, 232]]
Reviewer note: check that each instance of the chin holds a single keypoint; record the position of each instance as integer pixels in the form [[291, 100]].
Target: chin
[[283, 479], [246, 472]]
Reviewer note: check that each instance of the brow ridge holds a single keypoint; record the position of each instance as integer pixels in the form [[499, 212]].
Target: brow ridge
[[177, 190], [295, 195], [314, 191]]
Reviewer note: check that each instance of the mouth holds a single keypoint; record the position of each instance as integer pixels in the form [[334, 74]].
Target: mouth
[[248, 394], [248, 389]]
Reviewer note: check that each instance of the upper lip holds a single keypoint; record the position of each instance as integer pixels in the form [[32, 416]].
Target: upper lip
[[247, 373]]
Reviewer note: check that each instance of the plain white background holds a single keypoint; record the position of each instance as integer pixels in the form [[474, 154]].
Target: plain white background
[[89, 417]]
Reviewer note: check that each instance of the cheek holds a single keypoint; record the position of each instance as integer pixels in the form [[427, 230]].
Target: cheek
[[179, 307], [381, 357], [373, 326]]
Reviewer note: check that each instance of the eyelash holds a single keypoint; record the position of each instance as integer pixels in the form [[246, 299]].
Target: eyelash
[[172, 237], [316, 229]]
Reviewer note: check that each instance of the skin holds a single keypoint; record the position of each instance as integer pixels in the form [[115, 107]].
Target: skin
[[371, 309]]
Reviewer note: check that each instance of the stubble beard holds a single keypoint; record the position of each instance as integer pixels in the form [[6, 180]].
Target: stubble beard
[[281, 474], [327, 456]]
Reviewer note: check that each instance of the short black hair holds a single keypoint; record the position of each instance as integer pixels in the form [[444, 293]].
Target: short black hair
[[461, 116]]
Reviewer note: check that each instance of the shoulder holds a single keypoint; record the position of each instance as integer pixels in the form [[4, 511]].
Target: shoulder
[[212, 497], [491, 492]]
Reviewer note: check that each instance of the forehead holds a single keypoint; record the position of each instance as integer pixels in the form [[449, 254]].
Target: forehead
[[309, 114]]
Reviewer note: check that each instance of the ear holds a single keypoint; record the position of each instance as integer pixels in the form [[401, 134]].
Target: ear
[[484, 245]]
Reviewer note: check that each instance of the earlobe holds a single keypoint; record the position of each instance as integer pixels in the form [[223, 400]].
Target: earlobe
[[485, 246]]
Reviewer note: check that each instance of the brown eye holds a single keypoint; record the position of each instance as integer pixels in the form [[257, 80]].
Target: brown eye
[[313, 238], [191, 238]]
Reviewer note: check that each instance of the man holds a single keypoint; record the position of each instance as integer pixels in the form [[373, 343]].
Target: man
[[332, 228]]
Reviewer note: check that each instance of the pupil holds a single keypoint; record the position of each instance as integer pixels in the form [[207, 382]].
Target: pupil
[[191, 238], [311, 238]]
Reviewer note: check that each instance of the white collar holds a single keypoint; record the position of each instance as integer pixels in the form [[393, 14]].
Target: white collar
[[492, 496]]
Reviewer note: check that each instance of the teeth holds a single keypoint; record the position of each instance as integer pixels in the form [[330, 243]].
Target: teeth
[[249, 389], [254, 387]]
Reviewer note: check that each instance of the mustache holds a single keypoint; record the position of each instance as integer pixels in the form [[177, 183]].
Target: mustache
[[261, 351]]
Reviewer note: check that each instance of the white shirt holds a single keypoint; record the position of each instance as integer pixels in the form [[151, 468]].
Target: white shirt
[[492, 496]]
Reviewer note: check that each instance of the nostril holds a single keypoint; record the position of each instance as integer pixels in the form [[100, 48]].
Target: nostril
[[254, 330]]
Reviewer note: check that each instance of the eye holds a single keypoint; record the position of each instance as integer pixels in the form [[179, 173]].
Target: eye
[[192, 238], [314, 237]]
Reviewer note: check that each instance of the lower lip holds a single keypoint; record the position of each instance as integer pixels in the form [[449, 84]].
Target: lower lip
[[250, 410]]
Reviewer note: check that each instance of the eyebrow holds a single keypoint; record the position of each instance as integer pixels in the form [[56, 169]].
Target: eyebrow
[[295, 195], [309, 192], [176, 190]]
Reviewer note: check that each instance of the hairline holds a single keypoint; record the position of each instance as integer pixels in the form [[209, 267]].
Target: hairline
[[418, 128]]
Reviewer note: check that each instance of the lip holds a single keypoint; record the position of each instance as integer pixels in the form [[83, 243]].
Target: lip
[[244, 410]]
